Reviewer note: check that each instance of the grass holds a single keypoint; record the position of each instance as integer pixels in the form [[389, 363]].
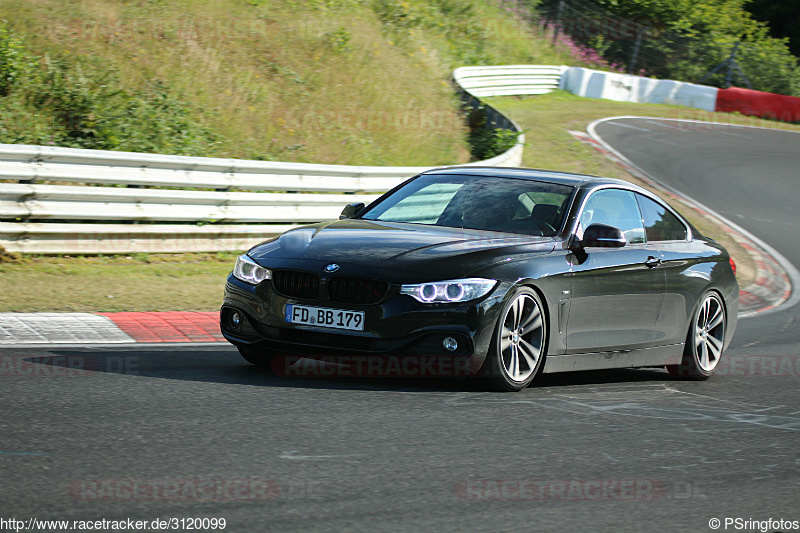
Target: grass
[[320, 81], [157, 282]]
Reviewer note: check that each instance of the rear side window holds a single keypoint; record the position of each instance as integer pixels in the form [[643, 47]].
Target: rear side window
[[659, 223]]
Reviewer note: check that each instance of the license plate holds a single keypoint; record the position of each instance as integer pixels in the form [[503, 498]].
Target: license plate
[[325, 317]]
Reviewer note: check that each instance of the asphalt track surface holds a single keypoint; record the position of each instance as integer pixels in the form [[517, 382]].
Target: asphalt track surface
[[628, 450]]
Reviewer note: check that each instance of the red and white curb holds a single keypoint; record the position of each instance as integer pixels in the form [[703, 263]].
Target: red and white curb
[[772, 287], [109, 328]]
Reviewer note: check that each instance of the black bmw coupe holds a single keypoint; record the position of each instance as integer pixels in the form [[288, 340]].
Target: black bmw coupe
[[515, 272]]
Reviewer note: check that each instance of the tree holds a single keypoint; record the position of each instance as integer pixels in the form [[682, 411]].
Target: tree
[[782, 18]]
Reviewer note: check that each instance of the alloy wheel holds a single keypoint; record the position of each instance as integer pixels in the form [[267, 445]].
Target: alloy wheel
[[521, 338], [709, 332]]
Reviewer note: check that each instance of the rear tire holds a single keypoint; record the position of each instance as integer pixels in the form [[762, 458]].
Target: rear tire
[[518, 347], [256, 356], [705, 340]]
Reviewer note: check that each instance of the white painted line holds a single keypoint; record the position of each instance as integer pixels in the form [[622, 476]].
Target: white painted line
[[621, 125], [102, 344], [292, 454]]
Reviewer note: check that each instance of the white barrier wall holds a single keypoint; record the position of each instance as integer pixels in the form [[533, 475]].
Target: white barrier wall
[[514, 80], [627, 88]]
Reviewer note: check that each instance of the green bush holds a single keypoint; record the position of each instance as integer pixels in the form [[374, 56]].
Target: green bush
[[14, 59], [76, 103], [82, 105], [457, 21], [155, 121], [339, 40], [770, 66], [487, 143]]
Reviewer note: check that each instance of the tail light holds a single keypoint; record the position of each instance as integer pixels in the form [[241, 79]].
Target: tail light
[[733, 265]]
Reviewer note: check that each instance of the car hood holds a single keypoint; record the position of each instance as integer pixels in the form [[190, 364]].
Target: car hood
[[395, 246]]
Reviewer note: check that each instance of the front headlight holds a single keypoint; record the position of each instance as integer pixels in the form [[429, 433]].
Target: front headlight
[[451, 291], [249, 271]]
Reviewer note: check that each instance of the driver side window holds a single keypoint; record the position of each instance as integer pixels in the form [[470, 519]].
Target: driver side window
[[617, 208]]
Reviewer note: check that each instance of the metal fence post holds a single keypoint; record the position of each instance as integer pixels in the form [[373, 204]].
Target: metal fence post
[[731, 61], [635, 53], [557, 25]]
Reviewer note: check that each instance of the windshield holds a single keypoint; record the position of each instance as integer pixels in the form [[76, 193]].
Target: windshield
[[478, 202]]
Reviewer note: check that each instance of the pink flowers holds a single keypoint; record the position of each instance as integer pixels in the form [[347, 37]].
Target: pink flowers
[[585, 55]]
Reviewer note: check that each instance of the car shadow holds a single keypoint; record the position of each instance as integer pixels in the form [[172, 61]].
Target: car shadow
[[220, 364]]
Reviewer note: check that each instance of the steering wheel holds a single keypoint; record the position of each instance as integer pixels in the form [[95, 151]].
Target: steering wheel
[[528, 227], [544, 228]]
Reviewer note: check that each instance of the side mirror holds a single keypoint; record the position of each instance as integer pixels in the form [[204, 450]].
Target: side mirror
[[350, 210], [601, 235]]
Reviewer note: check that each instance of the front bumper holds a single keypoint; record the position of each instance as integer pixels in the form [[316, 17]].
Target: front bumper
[[398, 325]]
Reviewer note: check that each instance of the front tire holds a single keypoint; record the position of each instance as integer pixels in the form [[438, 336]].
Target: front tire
[[519, 343], [705, 340]]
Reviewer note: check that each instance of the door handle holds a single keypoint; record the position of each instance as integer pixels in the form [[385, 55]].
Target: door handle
[[652, 262]]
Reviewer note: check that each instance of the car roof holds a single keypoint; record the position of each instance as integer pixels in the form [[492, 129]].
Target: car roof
[[550, 176]]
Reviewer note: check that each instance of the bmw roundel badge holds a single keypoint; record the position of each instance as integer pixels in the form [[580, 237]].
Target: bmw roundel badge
[[333, 267]]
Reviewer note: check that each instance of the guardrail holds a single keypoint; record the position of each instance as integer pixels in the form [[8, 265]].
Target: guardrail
[[509, 80], [132, 202], [66, 200]]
